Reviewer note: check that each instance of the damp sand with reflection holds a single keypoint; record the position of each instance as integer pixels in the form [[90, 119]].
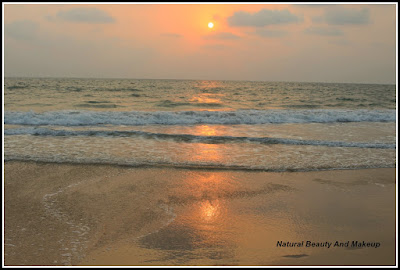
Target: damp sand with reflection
[[60, 214]]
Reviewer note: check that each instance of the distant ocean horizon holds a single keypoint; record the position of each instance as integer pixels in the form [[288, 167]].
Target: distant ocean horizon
[[223, 124], [190, 79]]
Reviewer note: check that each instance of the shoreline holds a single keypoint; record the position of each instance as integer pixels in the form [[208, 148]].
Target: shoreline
[[198, 168], [82, 214]]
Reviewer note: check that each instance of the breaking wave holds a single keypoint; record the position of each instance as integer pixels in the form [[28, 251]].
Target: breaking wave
[[248, 117]]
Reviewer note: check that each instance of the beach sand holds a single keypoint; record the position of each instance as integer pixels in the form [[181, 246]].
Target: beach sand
[[64, 214]]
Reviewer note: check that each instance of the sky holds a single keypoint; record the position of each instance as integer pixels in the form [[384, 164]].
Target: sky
[[350, 43]]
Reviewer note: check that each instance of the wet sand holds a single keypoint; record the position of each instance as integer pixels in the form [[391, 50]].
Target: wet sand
[[63, 214]]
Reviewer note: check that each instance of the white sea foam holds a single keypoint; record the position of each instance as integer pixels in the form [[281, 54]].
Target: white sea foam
[[249, 117]]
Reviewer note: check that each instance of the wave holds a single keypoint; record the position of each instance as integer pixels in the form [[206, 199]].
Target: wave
[[12, 87], [172, 104], [198, 165], [188, 138], [91, 105], [247, 117]]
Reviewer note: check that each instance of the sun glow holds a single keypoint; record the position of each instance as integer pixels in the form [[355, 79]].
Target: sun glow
[[210, 25]]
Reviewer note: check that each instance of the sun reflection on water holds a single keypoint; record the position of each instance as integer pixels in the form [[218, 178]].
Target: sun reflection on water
[[209, 95], [206, 130], [206, 98], [206, 151]]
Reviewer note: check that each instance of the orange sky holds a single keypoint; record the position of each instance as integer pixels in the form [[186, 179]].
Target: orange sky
[[329, 43]]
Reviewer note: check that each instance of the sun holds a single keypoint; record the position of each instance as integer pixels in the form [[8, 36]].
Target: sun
[[210, 25]]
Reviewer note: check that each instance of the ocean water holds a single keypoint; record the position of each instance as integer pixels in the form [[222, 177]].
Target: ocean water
[[271, 126]]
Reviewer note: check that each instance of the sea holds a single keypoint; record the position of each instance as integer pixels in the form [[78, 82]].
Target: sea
[[200, 124]]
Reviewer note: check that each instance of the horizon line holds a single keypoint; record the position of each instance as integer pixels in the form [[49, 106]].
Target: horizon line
[[175, 79]]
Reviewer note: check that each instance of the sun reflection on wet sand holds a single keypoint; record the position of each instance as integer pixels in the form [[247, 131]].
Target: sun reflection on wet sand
[[209, 186], [210, 210], [236, 218], [211, 220], [206, 211]]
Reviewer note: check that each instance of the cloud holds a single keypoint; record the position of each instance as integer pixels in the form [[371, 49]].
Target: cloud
[[59, 55], [50, 18], [324, 31], [173, 35], [340, 42], [318, 19], [311, 5], [222, 35], [215, 46], [342, 16], [21, 30], [262, 18], [87, 15], [270, 33], [216, 17]]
